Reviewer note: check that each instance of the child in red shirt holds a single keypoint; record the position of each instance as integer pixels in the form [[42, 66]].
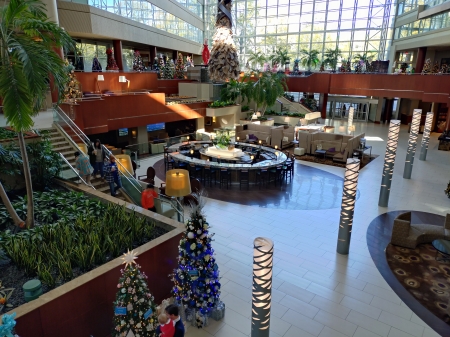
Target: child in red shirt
[[167, 328]]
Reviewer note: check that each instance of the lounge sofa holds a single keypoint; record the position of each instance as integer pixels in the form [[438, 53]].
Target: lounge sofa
[[270, 135], [339, 147], [405, 234]]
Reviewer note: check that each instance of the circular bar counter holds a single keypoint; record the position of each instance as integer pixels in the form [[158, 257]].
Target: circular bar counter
[[237, 160]]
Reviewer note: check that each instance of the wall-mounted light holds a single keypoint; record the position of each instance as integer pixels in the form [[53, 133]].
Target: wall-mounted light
[[426, 136], [348, 205], [262, 286], [389, 161], [100, 78], [214, 119], [412, 143], [134, 133]]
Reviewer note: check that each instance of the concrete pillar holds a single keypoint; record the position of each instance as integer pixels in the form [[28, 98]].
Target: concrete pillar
[[142, 139], [323, 100], [118, 53], [388, 109], [379, 110], [52, 10], [422, 51]]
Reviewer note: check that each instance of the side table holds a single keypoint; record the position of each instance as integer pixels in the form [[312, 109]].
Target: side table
[[320, 152]]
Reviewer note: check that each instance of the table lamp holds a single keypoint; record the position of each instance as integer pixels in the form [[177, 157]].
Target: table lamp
[[178, 185], [100, 78]]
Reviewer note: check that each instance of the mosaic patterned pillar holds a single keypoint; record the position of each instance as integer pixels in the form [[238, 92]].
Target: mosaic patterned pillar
[[351, 112], [426, 136], [412, 143], [348, 205], [262, 286], [389, 161]]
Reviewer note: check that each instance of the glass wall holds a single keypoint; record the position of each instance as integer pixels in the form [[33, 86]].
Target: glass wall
[[193, 5], [151, 15], [87, 51], [355, 27], [424, 25], [409, 5]]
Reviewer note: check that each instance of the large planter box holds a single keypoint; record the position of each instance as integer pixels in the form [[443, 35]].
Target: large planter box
[[84, 306]]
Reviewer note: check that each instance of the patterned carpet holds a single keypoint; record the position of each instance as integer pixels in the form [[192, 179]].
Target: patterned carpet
[[425, 278], [329, 161]]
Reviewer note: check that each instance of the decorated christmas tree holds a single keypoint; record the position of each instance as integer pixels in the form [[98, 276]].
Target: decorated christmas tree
[[426, 67], [138, 65], [179, 68], [110, 61], [435, 69], [444, 69], [155, 64], [96, 66], [197, 276], [348, 67], [169, 70], [369, 67], [72, 90], [134, 309], [162, 66]]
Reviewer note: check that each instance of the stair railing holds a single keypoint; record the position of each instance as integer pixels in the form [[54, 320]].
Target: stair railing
[[75, 171]]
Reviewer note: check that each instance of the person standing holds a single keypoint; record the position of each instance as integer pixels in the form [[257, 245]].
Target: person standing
[[172, 312], [148, 198], [112, 176], [83, 165], [97, 152]]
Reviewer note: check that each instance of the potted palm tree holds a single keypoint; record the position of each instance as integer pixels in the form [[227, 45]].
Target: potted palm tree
[[257, 59], [331, 58], [310, 59], [281, 56]]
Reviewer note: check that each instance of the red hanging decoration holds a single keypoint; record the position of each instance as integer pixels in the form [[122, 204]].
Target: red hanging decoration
[[205, 52]]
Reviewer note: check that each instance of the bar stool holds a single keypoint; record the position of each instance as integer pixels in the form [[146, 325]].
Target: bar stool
[[244, 179], [209, 174], [195, 171], [275, 172], [225, 177], [169, 163], [262, 177], [287, 170]]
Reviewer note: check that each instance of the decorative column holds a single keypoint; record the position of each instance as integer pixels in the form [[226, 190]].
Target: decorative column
[[420, 61], [412, 143], [348, 205], [389, 161], [426, 136], [262, 286], [117, 44], [351, 112]]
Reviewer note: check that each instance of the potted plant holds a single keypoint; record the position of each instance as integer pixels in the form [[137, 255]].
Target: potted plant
[[331, 57], [310, 59], [257, 59]]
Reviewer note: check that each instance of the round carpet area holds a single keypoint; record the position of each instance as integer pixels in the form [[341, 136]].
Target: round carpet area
[[310, 189], [416, 277]]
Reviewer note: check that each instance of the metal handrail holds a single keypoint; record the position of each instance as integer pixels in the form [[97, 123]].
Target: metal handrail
[[74, 170], [88, 143], [180, 213]]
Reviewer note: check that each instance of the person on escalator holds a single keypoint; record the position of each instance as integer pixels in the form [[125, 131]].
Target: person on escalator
[[148, 198], [112, 175]]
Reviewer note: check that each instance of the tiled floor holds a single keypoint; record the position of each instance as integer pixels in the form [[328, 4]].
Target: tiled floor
[[318, 292]]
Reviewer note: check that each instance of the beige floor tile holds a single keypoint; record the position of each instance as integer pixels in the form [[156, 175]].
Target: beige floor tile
[[303, 322], [330, 306], [228, 331], [345, 327]]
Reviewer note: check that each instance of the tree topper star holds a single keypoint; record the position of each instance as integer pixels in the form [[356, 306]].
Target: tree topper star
[[128, 258]]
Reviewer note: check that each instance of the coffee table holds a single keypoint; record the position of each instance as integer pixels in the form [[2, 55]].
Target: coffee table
[[321, 152], [442, 249]]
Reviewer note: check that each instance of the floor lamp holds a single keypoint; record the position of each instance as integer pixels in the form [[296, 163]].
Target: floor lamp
[[426, 136], [262, 286], [178, 185], [389, 161], [412, 143], [348, 205]]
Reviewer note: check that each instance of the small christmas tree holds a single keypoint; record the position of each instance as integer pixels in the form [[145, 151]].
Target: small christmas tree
[[96, 66], [162, 66], [296, 70], [444, 69], [348, 67], [426, 67], [169, 70], [369, 67], [110, 61], [179, 68], [138, 65], [72, 90], [134, 307], [197, 276], [156, 64], [435, 69]]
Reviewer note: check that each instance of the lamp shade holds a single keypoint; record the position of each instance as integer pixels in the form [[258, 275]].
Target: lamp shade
[[124, 163], [122, 79], [352, 128], [258, 114], [100, 78], [178, 183], [82, 147]]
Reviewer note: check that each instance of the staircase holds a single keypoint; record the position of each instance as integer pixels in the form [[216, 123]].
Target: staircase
[[61, 145]]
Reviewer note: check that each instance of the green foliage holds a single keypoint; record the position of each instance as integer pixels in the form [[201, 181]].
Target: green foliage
[[10, 160], [265, 91], [222, 139], [7, 134], [221, 104], [289, 97], [331, 57], [310, 58], [257, 59], [279, 56], [367, 56], [285, 113], [232, 91], [78, 232], [245, 108]]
